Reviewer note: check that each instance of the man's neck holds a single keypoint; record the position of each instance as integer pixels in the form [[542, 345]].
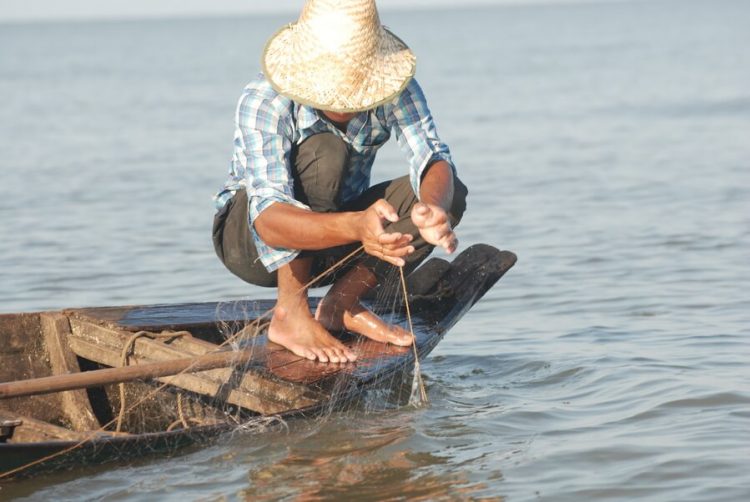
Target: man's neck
[[340, 120]]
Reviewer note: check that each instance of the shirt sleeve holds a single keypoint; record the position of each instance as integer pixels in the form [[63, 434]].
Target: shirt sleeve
[[411, 121], [262, 146]]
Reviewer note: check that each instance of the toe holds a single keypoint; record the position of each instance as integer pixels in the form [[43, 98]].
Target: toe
[[302, 352], [400, 338], [321, 355], [332, 354], [345, 355]]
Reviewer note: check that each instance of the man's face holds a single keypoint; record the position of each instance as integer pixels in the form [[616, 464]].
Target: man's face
[[339, 117]]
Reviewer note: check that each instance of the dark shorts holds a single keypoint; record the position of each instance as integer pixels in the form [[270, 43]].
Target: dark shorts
[[319, 167]]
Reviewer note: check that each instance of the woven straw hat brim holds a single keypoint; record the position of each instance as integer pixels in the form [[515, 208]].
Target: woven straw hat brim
[[333, 81]]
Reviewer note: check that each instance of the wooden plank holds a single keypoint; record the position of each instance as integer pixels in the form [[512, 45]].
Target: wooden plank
[[254, 390], [143, 347], [23, 355], [33, 431], [176, 317], [75, 404], [17, 331], [199, 383], [292, 368]]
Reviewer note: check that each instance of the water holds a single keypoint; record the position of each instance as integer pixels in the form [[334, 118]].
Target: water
[[608, 145]]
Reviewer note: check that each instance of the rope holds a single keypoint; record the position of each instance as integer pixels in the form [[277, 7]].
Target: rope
[[417, 370], [125, 354], [183, 420], [181, 413]]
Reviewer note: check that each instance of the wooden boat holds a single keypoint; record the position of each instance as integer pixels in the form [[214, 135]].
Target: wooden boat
[[58, 425]]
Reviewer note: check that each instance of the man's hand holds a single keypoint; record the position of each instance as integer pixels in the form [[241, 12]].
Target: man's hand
[[434, 226], [390, 247]]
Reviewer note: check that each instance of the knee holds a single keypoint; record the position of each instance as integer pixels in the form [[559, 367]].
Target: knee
[[458, 207], [326, 148], [320, 165]]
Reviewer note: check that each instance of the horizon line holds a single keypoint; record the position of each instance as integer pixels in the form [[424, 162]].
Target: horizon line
[[418, 6]]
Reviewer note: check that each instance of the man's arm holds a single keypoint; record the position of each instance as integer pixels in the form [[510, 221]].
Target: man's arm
[[287, 226], [431, 169], [437, 185], [284, 225], [431, 214]]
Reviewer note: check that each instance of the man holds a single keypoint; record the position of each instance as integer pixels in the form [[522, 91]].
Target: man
[[335, 85]]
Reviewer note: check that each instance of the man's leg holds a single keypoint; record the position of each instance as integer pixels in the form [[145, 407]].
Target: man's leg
[[234, 243], [319, 166], [293, 325], [319, 169], [341, 309]]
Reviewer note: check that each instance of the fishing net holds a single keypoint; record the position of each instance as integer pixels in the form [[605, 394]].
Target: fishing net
[[255, 396], [403, 387]]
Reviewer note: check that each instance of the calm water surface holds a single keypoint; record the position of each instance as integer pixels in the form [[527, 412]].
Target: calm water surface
[[607, 145]]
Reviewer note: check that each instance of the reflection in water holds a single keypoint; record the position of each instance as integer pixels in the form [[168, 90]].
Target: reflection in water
[[339, 462]]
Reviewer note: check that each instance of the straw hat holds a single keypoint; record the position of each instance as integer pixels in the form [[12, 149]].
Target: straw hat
[[338, 57]]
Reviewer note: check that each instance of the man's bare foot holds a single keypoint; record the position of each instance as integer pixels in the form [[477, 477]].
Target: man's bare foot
[[358, 319], [297, 331]]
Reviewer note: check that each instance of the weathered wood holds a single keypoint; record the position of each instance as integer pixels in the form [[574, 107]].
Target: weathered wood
[[32, 430], [194, 317], [17, 331], [255, 389], [143, 348], [292, 368], [75, 403], [23, 355]]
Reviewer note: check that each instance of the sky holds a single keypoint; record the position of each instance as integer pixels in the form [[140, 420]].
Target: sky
[[29, 10]]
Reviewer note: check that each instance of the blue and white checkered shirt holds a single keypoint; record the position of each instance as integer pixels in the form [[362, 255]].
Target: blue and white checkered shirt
[[269, 125]]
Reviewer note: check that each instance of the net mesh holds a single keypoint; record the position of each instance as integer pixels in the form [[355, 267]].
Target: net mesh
[[156, 406]]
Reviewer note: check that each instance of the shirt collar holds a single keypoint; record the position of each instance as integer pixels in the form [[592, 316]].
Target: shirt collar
[[308, 117]]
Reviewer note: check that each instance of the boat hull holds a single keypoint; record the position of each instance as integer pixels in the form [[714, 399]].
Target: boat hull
[[277, 383]]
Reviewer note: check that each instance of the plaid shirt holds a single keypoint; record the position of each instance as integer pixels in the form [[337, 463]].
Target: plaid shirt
[[269, 125]]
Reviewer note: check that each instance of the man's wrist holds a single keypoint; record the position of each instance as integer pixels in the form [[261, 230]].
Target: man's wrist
[[355, 225]]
